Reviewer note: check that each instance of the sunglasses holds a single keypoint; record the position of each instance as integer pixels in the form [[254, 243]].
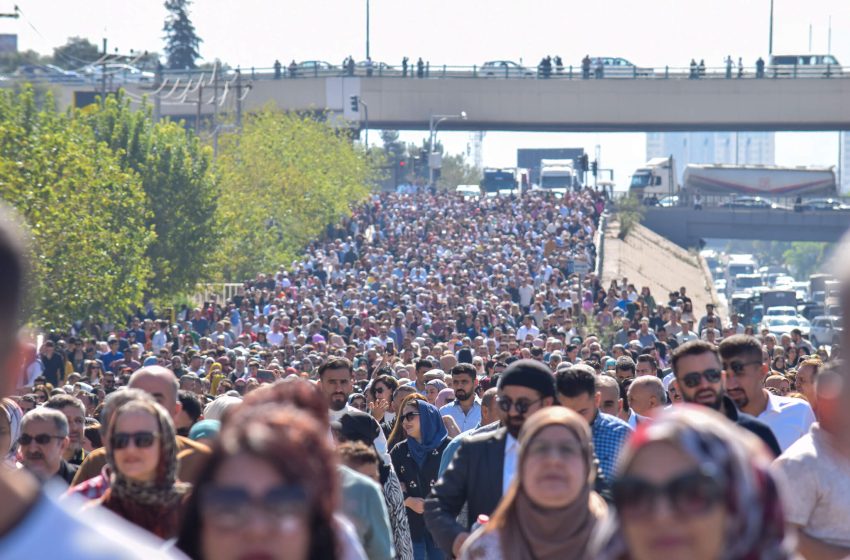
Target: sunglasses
[[521, 405], [142, 440], [227, 507], [41, 439], [693, 379], [738, 367], [409, 416], [690, 494]]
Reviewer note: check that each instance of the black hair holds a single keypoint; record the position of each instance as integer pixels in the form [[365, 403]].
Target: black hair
[[574, 381]]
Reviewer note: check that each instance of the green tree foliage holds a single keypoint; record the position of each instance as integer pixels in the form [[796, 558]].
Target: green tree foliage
[[805, 258], [86, 213], [630, 212], [457, 171], [181, 41], [180, 190], [283, 180], [76, 52], [11, 61]]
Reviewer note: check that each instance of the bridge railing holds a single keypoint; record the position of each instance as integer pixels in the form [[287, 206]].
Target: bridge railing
[[754, 202], [442, 71]]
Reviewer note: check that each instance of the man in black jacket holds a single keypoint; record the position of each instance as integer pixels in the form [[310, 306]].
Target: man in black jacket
[[701, 380], [485, 463]]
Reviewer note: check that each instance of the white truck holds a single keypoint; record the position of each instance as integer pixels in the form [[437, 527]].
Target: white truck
[[657, 179], [557, 175]]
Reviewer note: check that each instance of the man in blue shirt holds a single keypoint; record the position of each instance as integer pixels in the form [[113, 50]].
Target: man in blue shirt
[[466, 408], [577, 390]]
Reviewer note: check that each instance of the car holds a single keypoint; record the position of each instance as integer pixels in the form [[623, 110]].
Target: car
[[803, 65], [315, 67], [377, 67], [720, 285], [468, 192], [751, 203], [669, 201], [810, 310], [824, 204], [826, 329], [116, 72], [784, 325], [615, 67], [48, 73], [782, 311], [505, 69]]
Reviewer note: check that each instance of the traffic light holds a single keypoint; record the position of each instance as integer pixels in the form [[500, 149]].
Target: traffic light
[[594, 167], [355, 103], [584, 162], [402, 164]]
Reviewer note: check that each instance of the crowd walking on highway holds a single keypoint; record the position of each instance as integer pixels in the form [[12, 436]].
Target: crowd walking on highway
[[437, 377]]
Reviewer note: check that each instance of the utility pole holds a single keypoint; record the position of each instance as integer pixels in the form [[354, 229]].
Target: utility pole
[[238, 98], [157, 84], [216, 69], [103, 75], [198, 113]]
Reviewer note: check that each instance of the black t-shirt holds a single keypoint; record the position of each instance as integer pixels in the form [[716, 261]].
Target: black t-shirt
[[54, 368]]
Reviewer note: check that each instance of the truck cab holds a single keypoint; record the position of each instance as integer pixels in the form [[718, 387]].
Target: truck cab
[[557, 175], [655, 180]]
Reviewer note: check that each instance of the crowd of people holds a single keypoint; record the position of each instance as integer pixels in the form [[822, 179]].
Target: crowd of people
[[437, 377]]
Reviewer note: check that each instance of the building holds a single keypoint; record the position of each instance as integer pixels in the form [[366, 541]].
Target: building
[[753, 148], [844, 164]]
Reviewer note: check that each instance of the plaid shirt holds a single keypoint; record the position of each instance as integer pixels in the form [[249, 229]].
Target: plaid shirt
[[93, 488], [609, 435]]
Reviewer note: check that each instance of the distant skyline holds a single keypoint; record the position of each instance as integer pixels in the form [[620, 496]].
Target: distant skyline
[[465, 32]]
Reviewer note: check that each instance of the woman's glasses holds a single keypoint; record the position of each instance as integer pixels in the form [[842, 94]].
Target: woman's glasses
[[142, 440], [409, 416], [692, 493], [229, 507]]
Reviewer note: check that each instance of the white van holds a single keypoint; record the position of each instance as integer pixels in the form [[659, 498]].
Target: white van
[[803, 65]]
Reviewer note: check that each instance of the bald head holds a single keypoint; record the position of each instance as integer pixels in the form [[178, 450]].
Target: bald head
[[646, 393], [161, 383]]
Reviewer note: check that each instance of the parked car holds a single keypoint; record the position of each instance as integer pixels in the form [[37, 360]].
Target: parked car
[[314, 67], [824, 204], [116, 72], [751, 203], [804, 65], [377, 67], [48, 73], [506, 69], [782, 311], [614, 67], [826, 329], [784, 325]]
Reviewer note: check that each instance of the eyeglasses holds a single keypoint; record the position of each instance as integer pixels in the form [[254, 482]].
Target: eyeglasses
[[738, 367], [693, 378], [521, 405], [380, 390], [409, 416], [692, 493], [560, 450], [228, 507], [142, 440], [41, 439]]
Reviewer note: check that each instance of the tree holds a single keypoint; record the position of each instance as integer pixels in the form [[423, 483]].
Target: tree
[[179, 186], [76, 52], [11, 61], [86, 214], [805, 258], [181, 41], [283, 180], [457, 171]]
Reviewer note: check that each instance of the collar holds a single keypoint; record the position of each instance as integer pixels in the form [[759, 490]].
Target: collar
[[510, 443], [730, 411], [772, 403]]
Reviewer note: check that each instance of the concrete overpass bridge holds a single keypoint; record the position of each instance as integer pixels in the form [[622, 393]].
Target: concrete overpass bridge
[[660, 102], [686, 226]]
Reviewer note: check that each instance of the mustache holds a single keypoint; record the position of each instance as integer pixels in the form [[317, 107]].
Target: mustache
[[35, 456]]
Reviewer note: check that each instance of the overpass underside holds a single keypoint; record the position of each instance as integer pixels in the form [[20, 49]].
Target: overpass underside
[[607, 105], [685, 226]]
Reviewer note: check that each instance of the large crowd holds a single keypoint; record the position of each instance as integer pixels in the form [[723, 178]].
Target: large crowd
[[437, 377]]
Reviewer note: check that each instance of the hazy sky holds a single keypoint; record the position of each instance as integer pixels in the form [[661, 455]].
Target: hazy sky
[[466, 32]]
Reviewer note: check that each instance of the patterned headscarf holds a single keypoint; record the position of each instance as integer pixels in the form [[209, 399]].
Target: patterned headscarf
[[755, 523], [164, 490], [13, 414]]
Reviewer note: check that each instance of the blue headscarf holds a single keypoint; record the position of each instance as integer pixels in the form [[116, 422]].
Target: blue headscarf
[[432, 432]]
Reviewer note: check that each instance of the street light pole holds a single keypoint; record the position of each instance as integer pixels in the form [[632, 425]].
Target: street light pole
[[770, 39], [433, 123], [367, 29]]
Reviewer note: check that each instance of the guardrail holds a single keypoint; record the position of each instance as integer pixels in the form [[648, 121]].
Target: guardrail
[[443, 71], [752, 202]]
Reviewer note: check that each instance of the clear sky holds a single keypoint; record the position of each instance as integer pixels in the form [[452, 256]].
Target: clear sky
[[465, 32]]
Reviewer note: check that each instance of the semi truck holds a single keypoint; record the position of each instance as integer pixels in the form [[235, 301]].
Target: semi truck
[[657, 179], [557, 175]]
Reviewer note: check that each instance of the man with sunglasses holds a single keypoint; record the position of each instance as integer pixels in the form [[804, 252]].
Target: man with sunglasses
[[787, 417], [43, 441], [485, 463], [701, 380]]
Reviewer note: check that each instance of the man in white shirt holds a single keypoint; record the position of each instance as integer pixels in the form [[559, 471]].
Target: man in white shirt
[[788, 418], [527, 328], [818, 467], [466, 408]]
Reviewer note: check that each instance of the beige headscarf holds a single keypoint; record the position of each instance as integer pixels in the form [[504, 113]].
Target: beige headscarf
[[531, 532]]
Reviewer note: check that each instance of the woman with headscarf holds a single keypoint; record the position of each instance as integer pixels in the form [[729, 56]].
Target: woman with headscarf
[[444, 397], [10, 431], [550, 511], [141, 452], [433, 388], [720, 500], [417, 462]]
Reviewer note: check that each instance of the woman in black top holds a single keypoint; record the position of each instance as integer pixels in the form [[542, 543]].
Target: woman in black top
[[417, 462]]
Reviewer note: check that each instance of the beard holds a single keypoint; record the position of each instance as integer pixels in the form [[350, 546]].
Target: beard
[[338, 401], [514, 425], [740, 397], [462, 395], [706, 397]]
